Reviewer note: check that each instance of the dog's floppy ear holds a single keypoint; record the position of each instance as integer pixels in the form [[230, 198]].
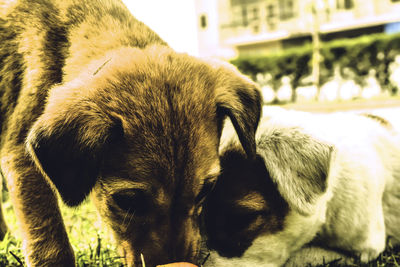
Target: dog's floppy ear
[[298, 164], [240, 99], [68, 143]]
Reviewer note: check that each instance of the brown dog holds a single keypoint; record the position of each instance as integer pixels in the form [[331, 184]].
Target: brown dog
[[93, 99]]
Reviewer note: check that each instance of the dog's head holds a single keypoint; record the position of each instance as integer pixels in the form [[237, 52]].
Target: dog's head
[[260, 204], [142, 128], [243, 204]]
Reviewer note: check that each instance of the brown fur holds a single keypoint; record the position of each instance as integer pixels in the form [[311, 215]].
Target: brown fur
[[379, 119], [91, 99]]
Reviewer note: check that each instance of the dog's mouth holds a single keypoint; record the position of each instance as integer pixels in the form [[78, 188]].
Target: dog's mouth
[[141, 261]]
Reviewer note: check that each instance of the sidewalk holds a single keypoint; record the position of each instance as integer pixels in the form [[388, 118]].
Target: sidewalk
[[361, 104]]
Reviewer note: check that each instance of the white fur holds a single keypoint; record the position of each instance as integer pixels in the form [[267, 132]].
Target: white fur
[[360, 208]]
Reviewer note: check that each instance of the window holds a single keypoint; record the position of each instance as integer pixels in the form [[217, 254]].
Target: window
[[236, 19], [286, 9], [271, 11], [256, 29], [254, 18], [243, 2], [255, 13], [203, 21], [344, 4], [245, 21], [271, 16]]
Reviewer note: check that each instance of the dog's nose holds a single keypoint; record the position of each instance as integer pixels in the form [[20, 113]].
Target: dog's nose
[[178, 264], [137, 264]]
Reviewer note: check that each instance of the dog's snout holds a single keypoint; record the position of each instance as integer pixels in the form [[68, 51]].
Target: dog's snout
[[185, 252], [160, 255]]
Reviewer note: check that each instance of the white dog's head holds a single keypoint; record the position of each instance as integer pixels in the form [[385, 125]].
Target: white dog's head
[[261, 210]]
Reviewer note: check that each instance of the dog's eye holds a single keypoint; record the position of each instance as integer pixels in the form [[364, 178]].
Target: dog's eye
[[132, 201], [205, 190], [243, 219]]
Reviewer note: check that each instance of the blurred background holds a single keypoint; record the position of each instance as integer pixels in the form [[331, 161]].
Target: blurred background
[[299, 51]]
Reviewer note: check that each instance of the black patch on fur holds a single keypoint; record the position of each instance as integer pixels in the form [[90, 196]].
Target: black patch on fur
[[39, 16], [226, 224], [245, 99], [245, 118], [11, 71], [299, 165], [252, 105], [294, 144], [378, 119], [72, 166], [56, 43]]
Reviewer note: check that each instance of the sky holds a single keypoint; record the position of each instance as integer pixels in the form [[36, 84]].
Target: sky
[[173, 20]]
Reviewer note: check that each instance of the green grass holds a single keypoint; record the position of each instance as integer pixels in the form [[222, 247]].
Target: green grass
[[93, 246], [91, 242], [389, 258]]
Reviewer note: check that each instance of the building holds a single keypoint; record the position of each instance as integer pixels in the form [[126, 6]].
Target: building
[[229, 28]]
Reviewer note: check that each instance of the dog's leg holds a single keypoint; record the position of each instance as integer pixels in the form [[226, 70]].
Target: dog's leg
[[391, 204], [376, 240], [45, 239], [3, 225]]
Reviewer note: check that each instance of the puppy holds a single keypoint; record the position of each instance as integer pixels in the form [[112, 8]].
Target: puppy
[[322, 187], [93, 100]]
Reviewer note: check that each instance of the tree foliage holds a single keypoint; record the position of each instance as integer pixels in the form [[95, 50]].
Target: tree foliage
[[355, 57]]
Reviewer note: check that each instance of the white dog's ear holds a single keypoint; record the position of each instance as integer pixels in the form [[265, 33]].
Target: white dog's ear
[[298, 165], [240, 99]]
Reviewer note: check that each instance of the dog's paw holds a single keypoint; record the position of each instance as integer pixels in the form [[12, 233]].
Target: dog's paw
[[369, 255], [374, 244]]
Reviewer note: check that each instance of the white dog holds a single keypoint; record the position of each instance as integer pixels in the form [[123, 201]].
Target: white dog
[[323, 187]]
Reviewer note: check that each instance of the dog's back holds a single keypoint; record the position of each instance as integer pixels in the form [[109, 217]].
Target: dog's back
[[391, 196], [367, 161], [10, 72], [42, 42]]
